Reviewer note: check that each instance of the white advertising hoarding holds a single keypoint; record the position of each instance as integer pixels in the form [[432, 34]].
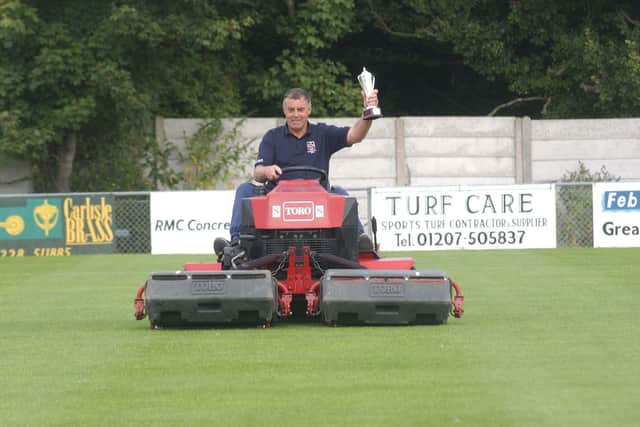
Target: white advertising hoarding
[[187, 222], [465, 217], [616, 214]]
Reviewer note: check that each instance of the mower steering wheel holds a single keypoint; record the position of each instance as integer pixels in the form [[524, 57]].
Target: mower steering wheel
[[322, 174]]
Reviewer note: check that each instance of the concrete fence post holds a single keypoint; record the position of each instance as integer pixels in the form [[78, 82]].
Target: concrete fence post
[[401, 155], [522, 150], [159, 128], [527, 161], [517, 150]]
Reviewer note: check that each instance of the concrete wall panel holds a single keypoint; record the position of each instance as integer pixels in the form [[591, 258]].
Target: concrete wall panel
[[381, 128], [584, 129], [553, 170], [459, 146], [15, 176], [493, 167], [365, 167], [449, 180], [459, 126], [571, 149], [369, 148], [361, 183]]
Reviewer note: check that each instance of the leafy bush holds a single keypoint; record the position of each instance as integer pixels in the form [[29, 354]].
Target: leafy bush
[[213, 155]]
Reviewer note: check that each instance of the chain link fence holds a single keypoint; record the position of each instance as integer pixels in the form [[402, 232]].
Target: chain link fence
[[574, 217], [574, 214], [132, 221]]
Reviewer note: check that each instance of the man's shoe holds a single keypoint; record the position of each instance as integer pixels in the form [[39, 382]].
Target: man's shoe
[[364, 243], [219, 244]]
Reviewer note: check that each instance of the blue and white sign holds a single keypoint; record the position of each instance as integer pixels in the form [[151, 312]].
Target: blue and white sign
[[616, 214]]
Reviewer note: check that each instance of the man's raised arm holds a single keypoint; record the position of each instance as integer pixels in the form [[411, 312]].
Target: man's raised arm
[[359, 130]]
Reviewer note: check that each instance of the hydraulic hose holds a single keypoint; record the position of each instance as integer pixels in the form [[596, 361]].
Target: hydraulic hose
[[458, 300], [138, 303]]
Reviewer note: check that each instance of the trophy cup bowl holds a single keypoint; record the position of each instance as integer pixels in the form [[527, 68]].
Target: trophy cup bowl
[[367, 82]]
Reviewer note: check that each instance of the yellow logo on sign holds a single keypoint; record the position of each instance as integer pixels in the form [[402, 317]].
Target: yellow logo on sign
[[14, 224], [88, 223], [46, 216]]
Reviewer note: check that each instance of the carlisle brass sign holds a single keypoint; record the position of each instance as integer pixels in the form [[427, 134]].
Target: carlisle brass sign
[[56, 226]]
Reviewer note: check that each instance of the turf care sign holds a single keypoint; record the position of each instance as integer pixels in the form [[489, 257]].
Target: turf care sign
[[616, 214], [465, 217], [187, 222]]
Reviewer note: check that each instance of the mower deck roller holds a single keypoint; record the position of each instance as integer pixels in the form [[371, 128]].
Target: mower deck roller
[[186, 298], [385, 297]]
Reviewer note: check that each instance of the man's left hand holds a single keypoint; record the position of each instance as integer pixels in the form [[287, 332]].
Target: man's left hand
[[372, 99]]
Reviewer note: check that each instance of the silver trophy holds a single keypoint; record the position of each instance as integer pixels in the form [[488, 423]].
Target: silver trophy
[[367, 82]]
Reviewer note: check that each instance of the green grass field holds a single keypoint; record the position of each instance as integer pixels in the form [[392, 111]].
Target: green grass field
[[549, 338]]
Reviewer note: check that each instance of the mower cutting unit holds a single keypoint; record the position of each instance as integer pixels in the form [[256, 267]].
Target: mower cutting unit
[[298, 255]]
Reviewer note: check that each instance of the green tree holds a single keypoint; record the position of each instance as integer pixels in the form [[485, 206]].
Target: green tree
[[291, 47], [573, 58], [83, 79]]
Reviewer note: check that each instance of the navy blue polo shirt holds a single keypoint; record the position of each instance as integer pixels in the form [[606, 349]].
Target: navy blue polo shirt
[[282, 148]]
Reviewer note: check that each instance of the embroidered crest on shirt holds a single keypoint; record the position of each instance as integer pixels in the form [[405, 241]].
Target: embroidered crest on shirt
[[311, 147]]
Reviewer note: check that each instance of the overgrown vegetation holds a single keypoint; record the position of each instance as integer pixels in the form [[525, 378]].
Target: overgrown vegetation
[[214, 155]]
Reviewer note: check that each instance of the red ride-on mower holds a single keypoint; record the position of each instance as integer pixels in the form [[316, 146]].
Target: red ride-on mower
[[298, 255]]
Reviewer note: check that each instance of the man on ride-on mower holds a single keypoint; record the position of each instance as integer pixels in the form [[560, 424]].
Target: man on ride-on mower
[[298, 143]]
